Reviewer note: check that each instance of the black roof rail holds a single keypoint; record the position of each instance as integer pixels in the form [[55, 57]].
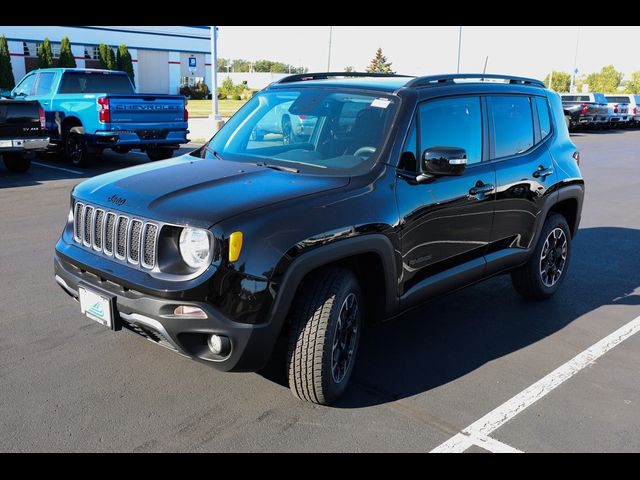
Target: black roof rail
[[435, 80], [301, 77]]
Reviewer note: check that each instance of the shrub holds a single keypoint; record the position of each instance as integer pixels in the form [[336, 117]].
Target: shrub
[[124, 62], [6, 72], [235, 97], [45, 55], [185, 90], [66, 59], [221, 95], [200, 91]]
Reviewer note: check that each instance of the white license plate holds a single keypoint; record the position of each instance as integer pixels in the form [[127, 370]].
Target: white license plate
[[6, 144], [95, 306]]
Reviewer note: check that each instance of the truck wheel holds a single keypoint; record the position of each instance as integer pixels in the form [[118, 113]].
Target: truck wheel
[[75, 148], [159, 153], [16, 162], [542, 275], [325, 331]]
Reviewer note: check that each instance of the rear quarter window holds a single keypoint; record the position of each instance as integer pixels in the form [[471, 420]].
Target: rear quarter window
[[543, 116]]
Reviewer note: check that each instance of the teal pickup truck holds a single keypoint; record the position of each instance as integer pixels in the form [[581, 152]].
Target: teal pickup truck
[[90, 110]]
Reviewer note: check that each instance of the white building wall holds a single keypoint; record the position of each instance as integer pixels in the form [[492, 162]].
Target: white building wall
[[16, 50], [174, 72], [257, 80], [134, 59], [78, 54]]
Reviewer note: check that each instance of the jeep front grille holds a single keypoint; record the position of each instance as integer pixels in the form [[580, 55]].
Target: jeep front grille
[[127, 239]]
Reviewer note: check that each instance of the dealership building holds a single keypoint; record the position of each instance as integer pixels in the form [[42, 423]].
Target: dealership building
[[163, 57]]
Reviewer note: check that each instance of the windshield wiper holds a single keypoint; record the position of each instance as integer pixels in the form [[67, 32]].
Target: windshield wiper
[[216, 154], [279, 167]]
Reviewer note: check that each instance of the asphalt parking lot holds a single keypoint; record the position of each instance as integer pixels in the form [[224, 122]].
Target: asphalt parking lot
[[68, 384]]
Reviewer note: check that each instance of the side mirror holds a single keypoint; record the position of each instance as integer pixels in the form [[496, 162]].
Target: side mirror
[[444, 161]]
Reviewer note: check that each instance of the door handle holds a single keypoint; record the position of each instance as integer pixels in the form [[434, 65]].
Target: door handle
[[542, 172], [480, 187]]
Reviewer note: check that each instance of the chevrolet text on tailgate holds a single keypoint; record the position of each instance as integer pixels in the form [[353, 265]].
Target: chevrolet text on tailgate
[[326, 203], [89, 110]]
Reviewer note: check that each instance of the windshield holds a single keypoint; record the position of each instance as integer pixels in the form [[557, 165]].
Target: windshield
[[311, 130]]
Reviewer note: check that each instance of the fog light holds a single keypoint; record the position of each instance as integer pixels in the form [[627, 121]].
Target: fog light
[[218, 344], [189, 311]]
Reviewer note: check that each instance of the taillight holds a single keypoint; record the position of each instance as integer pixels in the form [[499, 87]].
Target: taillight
[[43, 121], [615, 108], [585, 109], [576, 157], [635, 110], [104, 113], [186, 112]]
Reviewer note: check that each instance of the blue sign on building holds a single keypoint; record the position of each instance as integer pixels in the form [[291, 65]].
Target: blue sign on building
[[192, 62]]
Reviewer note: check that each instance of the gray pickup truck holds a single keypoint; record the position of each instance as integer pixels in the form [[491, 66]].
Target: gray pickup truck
[[22, 131]]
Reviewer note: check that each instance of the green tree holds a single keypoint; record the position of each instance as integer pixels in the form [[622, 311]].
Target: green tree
[[107, 57], [66, 59], [227, 87], [633, 85], [45, 55], [124, 63], [560, 82], [348, 68], [379, 64], [240, 65], [6, 72], [606, 80]]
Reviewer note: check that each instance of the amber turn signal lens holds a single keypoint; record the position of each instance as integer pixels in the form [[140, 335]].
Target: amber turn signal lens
[[235, 246]]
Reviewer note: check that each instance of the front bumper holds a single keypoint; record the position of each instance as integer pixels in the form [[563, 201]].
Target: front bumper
[[152, 317], [24, 144]]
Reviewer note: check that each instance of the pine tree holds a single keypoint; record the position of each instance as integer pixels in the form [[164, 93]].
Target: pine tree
[[45, 55], [124, 63], [107, 57], [66, 59], [6, 72], [379, 64]]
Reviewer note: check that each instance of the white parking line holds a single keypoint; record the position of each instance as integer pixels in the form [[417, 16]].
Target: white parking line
[[482, 428], [57, 168]]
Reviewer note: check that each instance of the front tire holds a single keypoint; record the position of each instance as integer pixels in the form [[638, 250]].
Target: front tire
[[16, 162], [545, 270], [325, 332]]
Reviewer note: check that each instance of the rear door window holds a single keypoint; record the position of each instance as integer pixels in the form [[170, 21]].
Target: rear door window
[[44, 84], [512, 125]]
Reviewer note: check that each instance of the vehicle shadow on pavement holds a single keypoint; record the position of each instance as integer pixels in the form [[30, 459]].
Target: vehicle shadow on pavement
[[449, 337]]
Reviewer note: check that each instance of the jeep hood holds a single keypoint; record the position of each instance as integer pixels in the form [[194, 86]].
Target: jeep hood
[[190, 190]]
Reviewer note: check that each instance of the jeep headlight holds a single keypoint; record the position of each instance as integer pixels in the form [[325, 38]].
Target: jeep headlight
[[195, 247]]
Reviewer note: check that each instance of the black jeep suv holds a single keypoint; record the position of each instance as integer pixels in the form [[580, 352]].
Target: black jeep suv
[[400, 189]]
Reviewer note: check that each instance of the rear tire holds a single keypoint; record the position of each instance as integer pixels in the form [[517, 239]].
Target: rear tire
[[16, 162], [545, 270], [75, 148], [160, 153], [325, 332]]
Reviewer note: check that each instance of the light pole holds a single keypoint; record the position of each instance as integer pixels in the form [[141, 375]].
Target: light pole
[[459, 45], [214, 74], [575, 64], [329, 59]]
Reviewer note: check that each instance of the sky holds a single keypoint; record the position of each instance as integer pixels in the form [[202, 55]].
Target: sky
[[515, 50]]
